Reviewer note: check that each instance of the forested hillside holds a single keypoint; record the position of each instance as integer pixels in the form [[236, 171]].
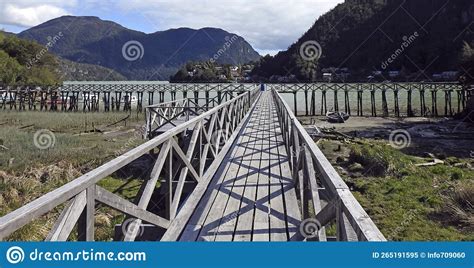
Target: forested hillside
[[416, 38]]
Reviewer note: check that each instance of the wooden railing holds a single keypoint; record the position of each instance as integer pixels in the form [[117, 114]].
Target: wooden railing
[[171, 112], [375, 99], [320, 189], [422, 99], [188, 153]]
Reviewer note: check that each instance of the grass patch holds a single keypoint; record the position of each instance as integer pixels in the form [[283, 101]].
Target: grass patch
[[27, 172], [410, 203]]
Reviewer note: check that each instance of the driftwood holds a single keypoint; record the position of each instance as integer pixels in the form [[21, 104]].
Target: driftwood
[[121, 120], [27, 126], [434, 163]]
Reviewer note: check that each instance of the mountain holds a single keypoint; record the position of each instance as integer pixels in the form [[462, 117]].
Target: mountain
[[74, 71], [418, 38], [23, 54], [158, 55]]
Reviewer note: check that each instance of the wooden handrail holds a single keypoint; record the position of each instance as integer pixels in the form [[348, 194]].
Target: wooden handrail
[[352, 222], [83, 191]]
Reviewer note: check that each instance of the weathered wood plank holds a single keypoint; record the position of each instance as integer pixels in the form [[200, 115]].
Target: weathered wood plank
[[226, 226], [359, 219], [261, 226], [149, 188], [184, 171], [68, 219], [127, 207], [90, 212], [192, 203], [314, 191], [243, 230], [278, 229]]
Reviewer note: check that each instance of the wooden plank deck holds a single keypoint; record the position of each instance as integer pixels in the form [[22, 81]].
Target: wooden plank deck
[[251, 197]]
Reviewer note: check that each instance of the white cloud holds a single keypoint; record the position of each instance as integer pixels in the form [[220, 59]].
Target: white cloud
[[30, 13]]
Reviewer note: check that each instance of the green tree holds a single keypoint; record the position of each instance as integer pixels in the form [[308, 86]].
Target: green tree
[[10, 69], [26, 62]]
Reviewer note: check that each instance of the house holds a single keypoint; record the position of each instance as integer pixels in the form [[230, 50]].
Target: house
[[327, 77], [393, 74], [449, 75]]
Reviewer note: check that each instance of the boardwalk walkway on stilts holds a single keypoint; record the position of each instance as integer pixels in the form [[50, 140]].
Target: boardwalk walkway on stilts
[[251, 197], [240, 170]]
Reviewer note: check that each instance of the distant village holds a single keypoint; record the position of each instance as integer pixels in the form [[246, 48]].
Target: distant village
[[341, 75], [213, 72]]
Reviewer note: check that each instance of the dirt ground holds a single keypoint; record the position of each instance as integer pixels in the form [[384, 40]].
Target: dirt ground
[[442, 137]]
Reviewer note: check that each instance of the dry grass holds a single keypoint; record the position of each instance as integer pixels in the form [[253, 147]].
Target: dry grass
[[27, 172], [459, 207]]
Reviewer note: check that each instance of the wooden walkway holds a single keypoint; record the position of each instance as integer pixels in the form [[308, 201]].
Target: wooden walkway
[[251, 197], [252, 173]]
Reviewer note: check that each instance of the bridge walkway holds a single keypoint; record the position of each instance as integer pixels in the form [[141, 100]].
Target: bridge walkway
[[251, 197]]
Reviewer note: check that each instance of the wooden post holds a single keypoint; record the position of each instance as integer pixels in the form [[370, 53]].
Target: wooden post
[[86, 221], [384, 102], [43, 99], [295, 103], [372, 101], [434, 104], [140, 102], [460, 100], [347, 106], [360, 109], [323, 102], [447, 103], [150, 97], [306, 102], [409, 104], [336, 101], [395, 98], [422, 101]]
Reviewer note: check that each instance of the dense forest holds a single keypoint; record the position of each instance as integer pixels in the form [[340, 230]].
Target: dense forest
[[415, 38], [26, 62]]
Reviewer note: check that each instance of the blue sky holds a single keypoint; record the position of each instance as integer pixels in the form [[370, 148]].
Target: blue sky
[[269, 25]]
